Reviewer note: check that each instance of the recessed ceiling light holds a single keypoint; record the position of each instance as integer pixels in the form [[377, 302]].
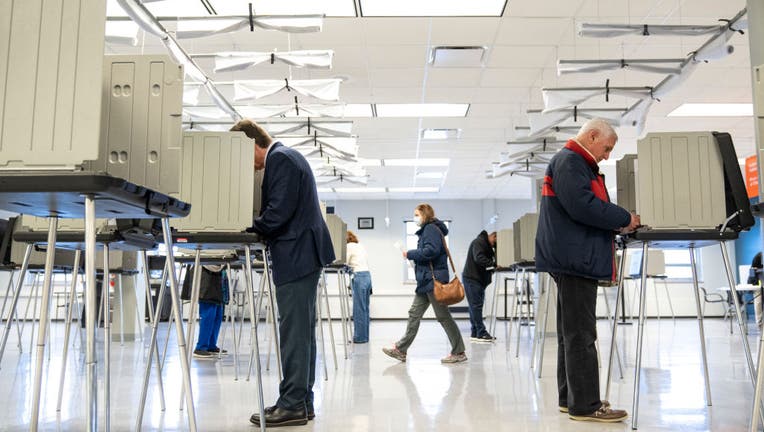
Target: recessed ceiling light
[[413, 189], [432, 8], [440, 134], [369, 162], [336, 8], [430, 175], [358, 110], [423, 110], [360, 190], [417, 162], [713, 110]]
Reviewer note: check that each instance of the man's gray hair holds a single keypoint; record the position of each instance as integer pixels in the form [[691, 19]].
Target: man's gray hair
[[598, 124]]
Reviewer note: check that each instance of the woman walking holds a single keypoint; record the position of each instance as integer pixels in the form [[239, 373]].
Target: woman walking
[[430, 259]]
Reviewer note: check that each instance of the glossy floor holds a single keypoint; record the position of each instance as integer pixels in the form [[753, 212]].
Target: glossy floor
[[493, 391]]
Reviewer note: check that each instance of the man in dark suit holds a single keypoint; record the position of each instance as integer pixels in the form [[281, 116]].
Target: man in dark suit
[[291, 223]]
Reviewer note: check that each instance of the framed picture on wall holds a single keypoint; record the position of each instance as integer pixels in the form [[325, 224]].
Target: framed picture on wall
[[365, 223]]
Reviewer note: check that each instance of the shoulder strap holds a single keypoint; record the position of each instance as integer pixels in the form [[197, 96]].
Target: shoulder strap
[[447, 251]]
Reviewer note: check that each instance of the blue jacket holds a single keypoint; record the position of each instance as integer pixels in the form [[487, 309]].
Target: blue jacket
[[577, 222], [290, 218], [429, 249]]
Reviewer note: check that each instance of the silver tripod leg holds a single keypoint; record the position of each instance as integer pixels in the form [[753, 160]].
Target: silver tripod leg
[[192, 315], [105, 295], [258, 369], [344, 316], [67, 332], [139, 322], [42, 332], [35, 296], [495, 304], [615, 345], [15, 301], [320, 318], [701, 330], [329, 319], [614, 323], [640, 337], [549, 292], [5, 299], [273, 308], [121, 311], [153, 348], [182, 350]]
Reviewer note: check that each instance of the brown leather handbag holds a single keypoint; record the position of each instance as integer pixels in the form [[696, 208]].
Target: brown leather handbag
[[447, 293]]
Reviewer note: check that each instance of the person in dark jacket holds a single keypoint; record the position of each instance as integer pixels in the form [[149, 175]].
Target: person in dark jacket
[[575, 244], [299, 246], [211, 304], [476, 276], [430, 260]]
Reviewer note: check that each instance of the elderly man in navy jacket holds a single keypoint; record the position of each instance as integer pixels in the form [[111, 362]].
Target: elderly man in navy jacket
[[575, 244], [298, 240]]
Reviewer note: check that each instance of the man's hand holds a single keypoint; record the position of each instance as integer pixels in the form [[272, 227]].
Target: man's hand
[[635, 222], [405, 255]]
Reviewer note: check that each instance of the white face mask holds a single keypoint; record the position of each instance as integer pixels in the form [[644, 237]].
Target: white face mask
[[418, 220]]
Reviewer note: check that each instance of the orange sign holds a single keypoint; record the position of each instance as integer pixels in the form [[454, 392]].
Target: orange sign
[[752, 176]]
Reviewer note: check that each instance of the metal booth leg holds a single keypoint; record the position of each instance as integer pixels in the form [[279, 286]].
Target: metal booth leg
[[640, 337], [701, 330], [328, 317], [196, 281], [154, 317], [182, 349], [319, 317], [273, 308], [258, 370], [15, 301], [105, 288], [67, 332], [42, 332]]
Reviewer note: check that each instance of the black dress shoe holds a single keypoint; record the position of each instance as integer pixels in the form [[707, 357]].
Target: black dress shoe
[[276, 416]]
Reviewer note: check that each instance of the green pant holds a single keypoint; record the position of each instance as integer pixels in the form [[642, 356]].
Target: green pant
[[418, 308]]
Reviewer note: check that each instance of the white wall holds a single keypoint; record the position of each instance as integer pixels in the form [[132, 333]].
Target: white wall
[[392, 297]]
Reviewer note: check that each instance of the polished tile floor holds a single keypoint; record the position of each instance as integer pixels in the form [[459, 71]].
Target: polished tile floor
[[494, 391]]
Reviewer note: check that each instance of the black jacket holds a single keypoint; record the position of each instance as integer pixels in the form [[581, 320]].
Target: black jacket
[[430, 249], [480, 258], [210, 289], [290, 219]]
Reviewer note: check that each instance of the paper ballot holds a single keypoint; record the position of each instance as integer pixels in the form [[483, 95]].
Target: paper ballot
[[399, 246]]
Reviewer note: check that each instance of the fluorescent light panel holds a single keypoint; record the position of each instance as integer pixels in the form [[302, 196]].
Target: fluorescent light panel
[[335, 8], [437, 175], [713, 110], [325, 190], [369, 162], [171, 8], [412, 189], [417, 162], [358, 110], [440, 134], [423, 110], [360, 190], [403, 8]]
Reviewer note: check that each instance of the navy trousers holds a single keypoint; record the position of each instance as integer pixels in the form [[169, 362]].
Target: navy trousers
[[297, 331], [475, 292]]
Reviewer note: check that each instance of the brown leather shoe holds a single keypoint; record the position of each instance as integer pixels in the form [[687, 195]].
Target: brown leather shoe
[[564, 409], [604, 415]]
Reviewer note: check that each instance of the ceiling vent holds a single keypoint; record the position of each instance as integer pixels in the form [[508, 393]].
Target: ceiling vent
[[457, 56]]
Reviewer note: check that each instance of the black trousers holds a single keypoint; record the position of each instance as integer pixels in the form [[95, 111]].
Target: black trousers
[[577, 369], [297, 332]]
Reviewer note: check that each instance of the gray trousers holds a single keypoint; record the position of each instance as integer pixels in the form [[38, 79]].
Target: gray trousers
[[418, 308]]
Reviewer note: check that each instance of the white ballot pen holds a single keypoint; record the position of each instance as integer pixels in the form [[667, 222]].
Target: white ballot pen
[[399, 246]]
